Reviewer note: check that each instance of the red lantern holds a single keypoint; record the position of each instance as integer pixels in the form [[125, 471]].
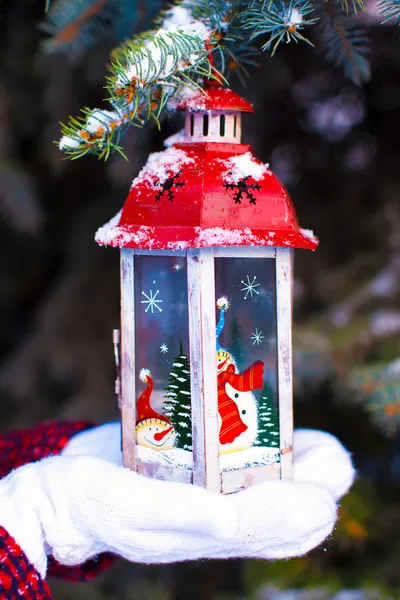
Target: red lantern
[[206, 237]]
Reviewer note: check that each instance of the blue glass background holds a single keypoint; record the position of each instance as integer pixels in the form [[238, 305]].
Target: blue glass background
[[154, 327], [249, 311]]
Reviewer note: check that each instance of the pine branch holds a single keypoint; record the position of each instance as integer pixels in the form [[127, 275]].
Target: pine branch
[[352, 6], [147, 72], [380, 391], [75, 25], [280, 21], [217, 15], [234, 54], [95, 132], [347, 44], [390, 10], [153, 70]]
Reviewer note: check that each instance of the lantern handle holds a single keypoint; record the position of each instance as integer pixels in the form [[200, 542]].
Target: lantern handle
[[217, 81]]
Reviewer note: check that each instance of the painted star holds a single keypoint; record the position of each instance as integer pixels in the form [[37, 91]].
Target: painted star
[[177, 267], [164, 348], [250, 286], [257, 337], [151, 301]]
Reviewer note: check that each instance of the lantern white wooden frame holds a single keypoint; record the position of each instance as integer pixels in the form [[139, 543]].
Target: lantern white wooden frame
[[202, 325]]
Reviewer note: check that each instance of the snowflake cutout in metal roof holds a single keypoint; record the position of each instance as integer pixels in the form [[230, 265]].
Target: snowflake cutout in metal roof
[[167, 187], [243, 188]]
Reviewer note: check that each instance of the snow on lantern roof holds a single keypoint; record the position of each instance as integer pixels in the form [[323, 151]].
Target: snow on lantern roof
[[215, 98], [204, 194]]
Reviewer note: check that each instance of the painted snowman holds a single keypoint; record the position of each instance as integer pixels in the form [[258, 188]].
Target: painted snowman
[[237, 405], [153, 430]]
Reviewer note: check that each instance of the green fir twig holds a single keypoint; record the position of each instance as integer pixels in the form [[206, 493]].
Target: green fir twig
[[279, 21], [152, 70], [390, 10]]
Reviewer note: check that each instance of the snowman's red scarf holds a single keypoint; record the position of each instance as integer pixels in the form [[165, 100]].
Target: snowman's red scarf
[[231, 423]]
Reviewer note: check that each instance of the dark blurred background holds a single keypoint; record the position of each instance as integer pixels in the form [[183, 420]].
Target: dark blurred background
[[337, 149]]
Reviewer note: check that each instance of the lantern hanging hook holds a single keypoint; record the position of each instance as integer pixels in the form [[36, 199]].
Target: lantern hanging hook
[[215, 79]]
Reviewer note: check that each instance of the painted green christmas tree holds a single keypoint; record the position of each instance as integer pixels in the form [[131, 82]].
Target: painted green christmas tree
[[268, 421], [177, 401]]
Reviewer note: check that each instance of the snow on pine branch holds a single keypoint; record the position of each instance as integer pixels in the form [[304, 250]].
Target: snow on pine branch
[[278, 21], [159, 68], [97, 124], [177, 45], [147, 72]]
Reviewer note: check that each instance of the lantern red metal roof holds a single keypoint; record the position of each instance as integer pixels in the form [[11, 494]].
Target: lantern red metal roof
[[203, 194], [216, 98]]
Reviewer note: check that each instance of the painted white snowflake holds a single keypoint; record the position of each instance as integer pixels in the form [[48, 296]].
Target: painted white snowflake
[[151, 301], [257, 337], [250, 287], [164, 348], [177, 267]]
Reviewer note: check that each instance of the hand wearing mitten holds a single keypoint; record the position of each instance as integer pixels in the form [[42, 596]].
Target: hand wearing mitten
[[82, 503], [75, 507], [277, 519]]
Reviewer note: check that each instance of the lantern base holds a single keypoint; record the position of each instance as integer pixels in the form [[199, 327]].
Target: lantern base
[[238, 469]]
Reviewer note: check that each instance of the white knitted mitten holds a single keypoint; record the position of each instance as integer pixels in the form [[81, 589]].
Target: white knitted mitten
[[84, 502]]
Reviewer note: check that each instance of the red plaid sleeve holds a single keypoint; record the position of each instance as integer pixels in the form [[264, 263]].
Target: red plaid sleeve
[[16, 449], [18, 578], [29, 445]]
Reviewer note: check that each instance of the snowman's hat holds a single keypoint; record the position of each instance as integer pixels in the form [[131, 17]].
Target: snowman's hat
[[144, 410]]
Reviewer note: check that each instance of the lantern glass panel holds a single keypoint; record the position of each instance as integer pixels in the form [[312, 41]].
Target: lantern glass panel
[[247, 354], [162, 347]]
